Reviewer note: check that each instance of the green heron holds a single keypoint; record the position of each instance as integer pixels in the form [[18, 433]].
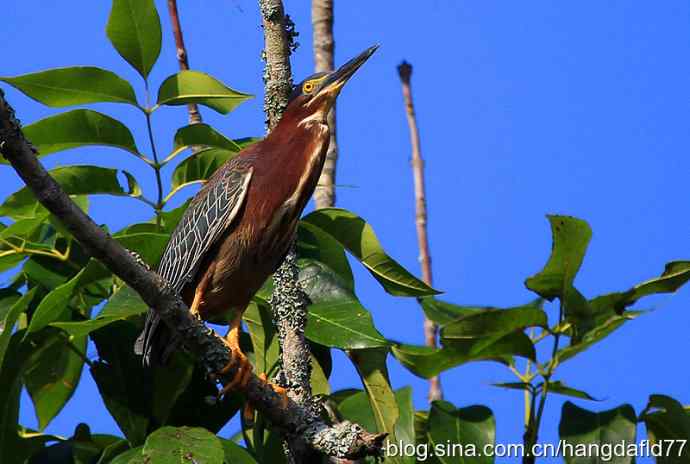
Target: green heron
[[239, 227]]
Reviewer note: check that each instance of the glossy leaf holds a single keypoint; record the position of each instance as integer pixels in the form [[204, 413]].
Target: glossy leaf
[[53, 377], [442, 312], [199, 167], [562, 389], [10, 318], [472, 427], [427, 362], [75, 180], [581, 428], [71, 86], [357, 236], [668, 429], [313, 243], [595, 335], [78, 128], [321, 283], [197, 87], [371, 367], [571, 237], [343, 324], [203, 135], [182, 444], [124, 304], [134, 29]]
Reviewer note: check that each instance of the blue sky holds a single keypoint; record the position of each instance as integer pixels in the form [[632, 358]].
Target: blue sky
[[525, 109]]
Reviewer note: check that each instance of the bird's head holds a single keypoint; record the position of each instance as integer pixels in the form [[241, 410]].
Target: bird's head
[[315, 96]]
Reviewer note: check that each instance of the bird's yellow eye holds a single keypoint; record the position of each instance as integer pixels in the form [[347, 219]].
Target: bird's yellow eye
[[308, 87]]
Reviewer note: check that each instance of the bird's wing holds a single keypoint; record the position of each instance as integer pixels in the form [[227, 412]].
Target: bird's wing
[[207, 217]]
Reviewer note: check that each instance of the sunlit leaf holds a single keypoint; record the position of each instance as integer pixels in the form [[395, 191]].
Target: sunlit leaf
[[203, 135], [134, 29], [197, 87], [357, 236], [314, 243], [75, 85], [199, 167], [343, 324], [179, 444]]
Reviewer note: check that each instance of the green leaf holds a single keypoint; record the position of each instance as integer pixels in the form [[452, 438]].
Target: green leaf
[[258, 318], [371, 366], [78, 128], [197, 87], [55, 304], [134, 29], [124, 304], [404, 428], [571, 237], [562, 389], [595, 335], [442, 312], [472, 427], [313, 243], [582, 429], [183, 444], [427, 362], [75, 180], [524, 386], [132, 456], [357, 409], [490, 325], [71, 86], [321, 284], [53, 377], [235, 454], [25, 228], [149, 246], [668, 429], [357, 236], [9, 320], [203, 135], [199, 167], [343, 324]]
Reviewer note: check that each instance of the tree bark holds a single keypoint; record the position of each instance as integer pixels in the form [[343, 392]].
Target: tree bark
[[324, 51], [430, 328], [289, 301], [182, 57], [341, 440]]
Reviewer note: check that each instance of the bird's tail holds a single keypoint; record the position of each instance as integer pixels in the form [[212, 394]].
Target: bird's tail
[[156, 342]]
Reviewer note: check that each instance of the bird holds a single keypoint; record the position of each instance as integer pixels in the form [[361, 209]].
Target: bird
[[239, 227]]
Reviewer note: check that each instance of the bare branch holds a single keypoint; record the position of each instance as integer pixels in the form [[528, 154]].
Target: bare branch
[[344, 440], [324, 50], [430, 328], [182, 58]]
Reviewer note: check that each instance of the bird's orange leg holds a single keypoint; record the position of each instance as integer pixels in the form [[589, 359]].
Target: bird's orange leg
[[199, 292]]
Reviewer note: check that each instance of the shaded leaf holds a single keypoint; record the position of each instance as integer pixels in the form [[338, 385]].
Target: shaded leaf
[[321, 284], [75, 85], [313, 243], [78, 128], [562, 389], [668, 429], [183, 444], [343, 324], [199, 167], [10, 318], [357, 409], [359, 239], [55, 305], [581, 428], [524, 386], [203, 135], [197, 87], [442, 312], [235, 454], [404, 427], [134, 29], [472, 427], [75, 180], [571, 237], [149, 246]]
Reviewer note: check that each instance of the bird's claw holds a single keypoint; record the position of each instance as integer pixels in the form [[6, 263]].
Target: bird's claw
[[242, 375]]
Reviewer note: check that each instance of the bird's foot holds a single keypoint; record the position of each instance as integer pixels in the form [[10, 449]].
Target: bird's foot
[[248, 411], [243, 372]]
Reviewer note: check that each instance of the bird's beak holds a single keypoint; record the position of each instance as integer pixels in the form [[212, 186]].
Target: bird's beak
[[337, 79]]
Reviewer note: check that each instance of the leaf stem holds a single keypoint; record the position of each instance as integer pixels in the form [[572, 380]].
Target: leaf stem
[[156, 166]]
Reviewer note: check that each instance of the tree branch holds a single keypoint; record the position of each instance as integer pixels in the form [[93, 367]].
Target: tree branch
[[324, 50], [342, 440], [430, 328], [182, 58]]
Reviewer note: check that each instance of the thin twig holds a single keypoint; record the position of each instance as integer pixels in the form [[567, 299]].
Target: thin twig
[[341, 440], [430, 328], [324, 50], [182, 57]]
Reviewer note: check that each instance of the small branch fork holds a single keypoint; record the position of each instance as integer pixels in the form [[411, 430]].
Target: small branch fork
[[343, 440], [430, 328]]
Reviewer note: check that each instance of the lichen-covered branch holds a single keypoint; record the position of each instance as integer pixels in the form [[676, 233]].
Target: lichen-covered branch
[[182, 57], [324, 50], [430, 328], [300, 423]]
